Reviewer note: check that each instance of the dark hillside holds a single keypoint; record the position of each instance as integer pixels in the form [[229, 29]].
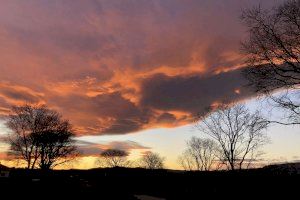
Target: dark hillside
[[123, 183]]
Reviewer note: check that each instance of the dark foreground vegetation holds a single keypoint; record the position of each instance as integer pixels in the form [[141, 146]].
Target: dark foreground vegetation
[[125, 183]]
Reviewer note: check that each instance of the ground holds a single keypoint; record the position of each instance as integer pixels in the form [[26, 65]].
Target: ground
[[123, 183]]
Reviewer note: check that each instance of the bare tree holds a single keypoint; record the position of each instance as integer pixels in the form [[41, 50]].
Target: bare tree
[[273, 54], [40, 136], [187, 162], [200, 154], [113, 158], [152, 161], [239, 134]]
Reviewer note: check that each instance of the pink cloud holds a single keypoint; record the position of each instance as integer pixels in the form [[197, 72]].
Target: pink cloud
[[115, 67]]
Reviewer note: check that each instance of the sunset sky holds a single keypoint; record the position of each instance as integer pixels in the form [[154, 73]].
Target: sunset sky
[[129, 74]]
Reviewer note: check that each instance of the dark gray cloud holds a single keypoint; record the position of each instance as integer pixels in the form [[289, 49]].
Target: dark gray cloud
[[193, 94], [166, 118], [124, 126]]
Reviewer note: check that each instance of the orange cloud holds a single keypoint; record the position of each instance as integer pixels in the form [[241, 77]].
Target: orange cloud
[[15, 94], [114, 67]]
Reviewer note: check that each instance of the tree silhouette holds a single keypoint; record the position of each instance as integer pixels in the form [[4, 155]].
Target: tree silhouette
[[200, 154], [238, 134], [152, 161], [273, 54], [113, 158], [40, 137]]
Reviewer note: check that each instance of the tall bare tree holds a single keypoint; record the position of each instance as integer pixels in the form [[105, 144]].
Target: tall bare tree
[[239, 134], [200, 154], [40, 136], [152, 161], [113, 158], [273, 54]]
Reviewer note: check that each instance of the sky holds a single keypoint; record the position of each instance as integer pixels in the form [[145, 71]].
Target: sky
[[130, 74]]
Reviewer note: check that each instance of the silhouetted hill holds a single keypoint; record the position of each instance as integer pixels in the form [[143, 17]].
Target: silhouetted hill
[[286, 168], [126, 183]]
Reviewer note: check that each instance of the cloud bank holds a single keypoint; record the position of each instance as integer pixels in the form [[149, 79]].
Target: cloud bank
[[115, 67]]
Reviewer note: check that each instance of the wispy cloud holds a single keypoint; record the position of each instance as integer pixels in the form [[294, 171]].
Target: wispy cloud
[[94, 149]]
